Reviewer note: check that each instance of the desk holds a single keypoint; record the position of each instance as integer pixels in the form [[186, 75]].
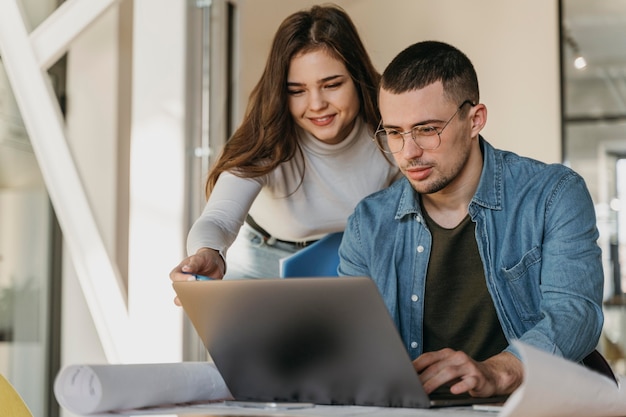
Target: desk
[[552, 387], [219, 409]]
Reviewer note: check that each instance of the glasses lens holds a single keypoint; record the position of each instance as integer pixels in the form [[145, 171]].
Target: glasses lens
[[383, 142], [427, 142], [426, 137]]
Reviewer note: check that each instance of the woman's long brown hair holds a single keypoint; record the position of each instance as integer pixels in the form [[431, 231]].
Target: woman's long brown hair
[[267, 136]]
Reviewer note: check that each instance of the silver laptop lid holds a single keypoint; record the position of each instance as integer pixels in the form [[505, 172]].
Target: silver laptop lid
[[319, 340]]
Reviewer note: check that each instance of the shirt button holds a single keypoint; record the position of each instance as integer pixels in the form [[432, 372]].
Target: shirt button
[[420, 249], [413, 345], [418, 219], [414, 297]]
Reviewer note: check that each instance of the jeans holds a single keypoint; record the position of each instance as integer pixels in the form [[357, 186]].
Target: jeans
[[250, 256]]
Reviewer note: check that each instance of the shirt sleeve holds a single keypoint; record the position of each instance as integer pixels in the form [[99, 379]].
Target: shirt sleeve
[[352, 261], [572, 279], [225, 211]]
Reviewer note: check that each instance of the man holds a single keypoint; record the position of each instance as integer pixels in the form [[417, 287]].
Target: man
[[475, 247]]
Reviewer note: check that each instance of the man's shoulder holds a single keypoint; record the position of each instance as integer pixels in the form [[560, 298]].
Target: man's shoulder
[[519, 165]]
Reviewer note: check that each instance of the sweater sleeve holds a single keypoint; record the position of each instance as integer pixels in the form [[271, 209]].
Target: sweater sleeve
[[225, 211]]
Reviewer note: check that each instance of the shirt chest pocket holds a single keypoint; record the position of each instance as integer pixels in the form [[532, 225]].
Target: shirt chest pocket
[[523, 281]]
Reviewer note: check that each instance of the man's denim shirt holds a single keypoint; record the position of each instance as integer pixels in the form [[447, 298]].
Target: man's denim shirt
[[536, 233]]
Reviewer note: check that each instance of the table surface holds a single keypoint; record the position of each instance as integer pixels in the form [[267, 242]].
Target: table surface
[[221, 409]]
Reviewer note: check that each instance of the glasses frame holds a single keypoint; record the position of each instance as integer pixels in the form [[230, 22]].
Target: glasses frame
[[380, 130]]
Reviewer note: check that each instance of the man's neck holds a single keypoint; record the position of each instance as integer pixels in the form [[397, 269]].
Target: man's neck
[[449, 206], [446, 212]]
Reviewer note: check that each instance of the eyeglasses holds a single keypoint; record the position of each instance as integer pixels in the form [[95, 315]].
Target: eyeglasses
[[426, 137]]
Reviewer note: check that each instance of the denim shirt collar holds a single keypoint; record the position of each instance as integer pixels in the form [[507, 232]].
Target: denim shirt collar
[[489, 191], [409, 201], [488, 194]]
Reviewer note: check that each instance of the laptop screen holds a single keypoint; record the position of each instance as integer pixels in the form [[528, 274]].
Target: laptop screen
[[318, 340]]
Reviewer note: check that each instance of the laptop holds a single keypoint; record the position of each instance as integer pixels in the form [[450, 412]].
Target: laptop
[[323, 340]]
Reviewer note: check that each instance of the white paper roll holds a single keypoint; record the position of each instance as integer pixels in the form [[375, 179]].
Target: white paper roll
[[88, 389]]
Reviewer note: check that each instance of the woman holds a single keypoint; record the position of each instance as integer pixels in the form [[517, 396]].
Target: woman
[[291, 177]]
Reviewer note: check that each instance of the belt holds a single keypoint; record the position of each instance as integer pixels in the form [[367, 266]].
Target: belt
[[270, 240]]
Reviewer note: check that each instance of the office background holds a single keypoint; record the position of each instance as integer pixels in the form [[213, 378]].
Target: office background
[[149, 91]]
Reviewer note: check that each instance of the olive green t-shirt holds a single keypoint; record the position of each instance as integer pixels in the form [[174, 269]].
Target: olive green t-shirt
[[458, 310]]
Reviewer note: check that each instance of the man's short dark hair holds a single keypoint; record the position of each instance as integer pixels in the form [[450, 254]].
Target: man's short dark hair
[[427, 62]]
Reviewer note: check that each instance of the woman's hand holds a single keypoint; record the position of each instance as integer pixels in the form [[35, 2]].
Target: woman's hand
[[205, 261]]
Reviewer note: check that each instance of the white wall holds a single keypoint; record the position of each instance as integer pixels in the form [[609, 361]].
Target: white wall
[[514, 46], [156, 177], [91, 132]]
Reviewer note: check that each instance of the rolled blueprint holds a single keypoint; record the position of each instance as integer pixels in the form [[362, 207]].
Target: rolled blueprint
[[89, 389]]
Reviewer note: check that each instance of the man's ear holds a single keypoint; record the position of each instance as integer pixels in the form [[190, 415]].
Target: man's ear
[[478, 116]]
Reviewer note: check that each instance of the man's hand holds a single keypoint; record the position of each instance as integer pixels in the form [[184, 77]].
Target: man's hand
[[501, 374], [205, 261]]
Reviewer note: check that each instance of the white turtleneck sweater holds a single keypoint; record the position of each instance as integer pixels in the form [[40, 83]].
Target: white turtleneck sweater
[[336, 178]]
